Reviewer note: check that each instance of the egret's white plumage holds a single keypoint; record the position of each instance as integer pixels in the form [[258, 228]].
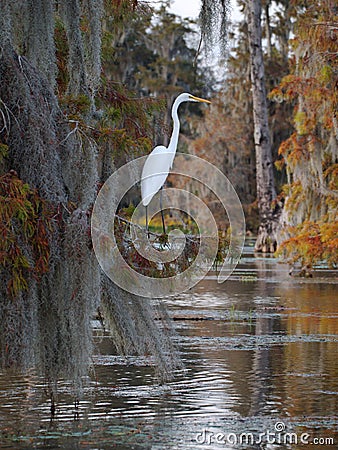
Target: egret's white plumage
[[155, 172], [160, 161]]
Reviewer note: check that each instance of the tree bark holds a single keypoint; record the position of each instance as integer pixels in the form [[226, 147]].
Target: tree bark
[[266, 193], [268, 30]]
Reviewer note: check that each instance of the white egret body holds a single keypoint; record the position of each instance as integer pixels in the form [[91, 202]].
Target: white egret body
[[160, 161]]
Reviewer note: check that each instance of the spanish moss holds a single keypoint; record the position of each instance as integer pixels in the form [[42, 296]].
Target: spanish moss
[[214, 21], [51, 284]]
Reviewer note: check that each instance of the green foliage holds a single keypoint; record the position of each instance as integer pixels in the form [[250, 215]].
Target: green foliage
[[151, 55], [3, 151], [25, 219], [223, 246], [123, 131], [75, 107], [301, 123], [326, 74]]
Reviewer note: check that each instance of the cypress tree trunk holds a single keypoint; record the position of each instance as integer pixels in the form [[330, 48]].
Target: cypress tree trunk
[[266, 193]]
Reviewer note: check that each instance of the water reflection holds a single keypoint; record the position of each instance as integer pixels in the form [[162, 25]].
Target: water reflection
[[260, 349]]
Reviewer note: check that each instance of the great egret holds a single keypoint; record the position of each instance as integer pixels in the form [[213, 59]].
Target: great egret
[[160, 160]]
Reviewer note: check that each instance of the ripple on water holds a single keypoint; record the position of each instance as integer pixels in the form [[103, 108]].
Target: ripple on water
[[258, 349]]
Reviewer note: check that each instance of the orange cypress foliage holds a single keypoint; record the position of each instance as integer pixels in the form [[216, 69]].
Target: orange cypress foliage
[[311, 242], [310, 153], [24, 221]]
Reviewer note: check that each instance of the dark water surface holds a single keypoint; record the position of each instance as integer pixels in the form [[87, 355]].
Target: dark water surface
[[260, 352]]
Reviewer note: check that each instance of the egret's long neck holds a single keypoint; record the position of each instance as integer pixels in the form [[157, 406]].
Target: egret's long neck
[[176, 128]]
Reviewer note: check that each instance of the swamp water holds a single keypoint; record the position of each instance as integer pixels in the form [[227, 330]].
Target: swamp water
[[261, 359]]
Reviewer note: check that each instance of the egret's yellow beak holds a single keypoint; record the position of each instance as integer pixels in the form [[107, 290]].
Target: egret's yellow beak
[[197, 99]]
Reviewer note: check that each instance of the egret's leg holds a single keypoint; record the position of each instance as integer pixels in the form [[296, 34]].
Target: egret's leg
[[146, 207], [163, 224]]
